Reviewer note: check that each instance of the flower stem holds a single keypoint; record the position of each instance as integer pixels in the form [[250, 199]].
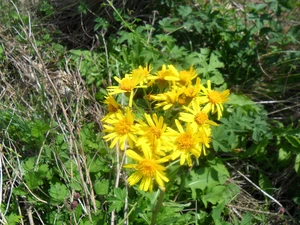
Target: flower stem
[[158, 205], [147, 101]]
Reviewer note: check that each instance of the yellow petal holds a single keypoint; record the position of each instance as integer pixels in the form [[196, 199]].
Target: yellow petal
[[134, 178], [132, 154]]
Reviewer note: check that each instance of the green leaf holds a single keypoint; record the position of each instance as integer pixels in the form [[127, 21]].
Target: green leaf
[[242, 100], [217, 214], [265, 183], [261, 147], [220, 193], [14, 15], [167, 24], [58, 192], [33, 180], [1, 52], [283, 154], [214, 195], [170, 213], [96, 165], [57, 47], [127, 37], [45, 172], [231, 192], [39, 128], [177, 52], [260, 128], [214, 62], [205, 178], [210, 69], [293, 140], [217, 79], [184, 11], [198, 59], [295, 195], [246, 220], [75, 185], [13, 219], [220, 138], [43, 169], [164, 38], [117, 201], [89, 138], [102, 187], [297, 164], [259, 7], [100, 22], [219, 166], [29, 164], [20, 191]]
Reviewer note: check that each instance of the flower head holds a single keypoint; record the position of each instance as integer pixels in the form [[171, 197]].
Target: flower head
[[191, 91], [186, 143], [147, 169], [186, 76], [127, 85], [196, 116], [168, 99], [153, 135], [120, 129], [165, 75], [214, 99], [143, 73], [112, 106]]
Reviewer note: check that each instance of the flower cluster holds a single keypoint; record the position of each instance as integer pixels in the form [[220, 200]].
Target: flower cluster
[[178, 127]]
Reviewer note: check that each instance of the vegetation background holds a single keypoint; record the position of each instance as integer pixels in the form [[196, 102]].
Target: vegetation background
[[57, 57]]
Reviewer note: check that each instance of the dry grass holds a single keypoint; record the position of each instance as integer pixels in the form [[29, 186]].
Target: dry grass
[[257, 201], [28, 88]]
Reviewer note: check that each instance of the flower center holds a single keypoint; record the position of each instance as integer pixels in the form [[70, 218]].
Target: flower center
[[200, 118], [214, 97], [185, 141], [123, 127], [154, 132], [181, 100], [190, 92], [147, 167], [127, 84]]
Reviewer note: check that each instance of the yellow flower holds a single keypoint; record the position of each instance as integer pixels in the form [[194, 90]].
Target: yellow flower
[[168, 99], [204, 140], [127, 85], [186, 143], [143, 73], [191, 91], [213, 99], [153, 135], [112, 106], [164, 76], [186, 76], [197, 117], [121, 129], [147, 169]]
